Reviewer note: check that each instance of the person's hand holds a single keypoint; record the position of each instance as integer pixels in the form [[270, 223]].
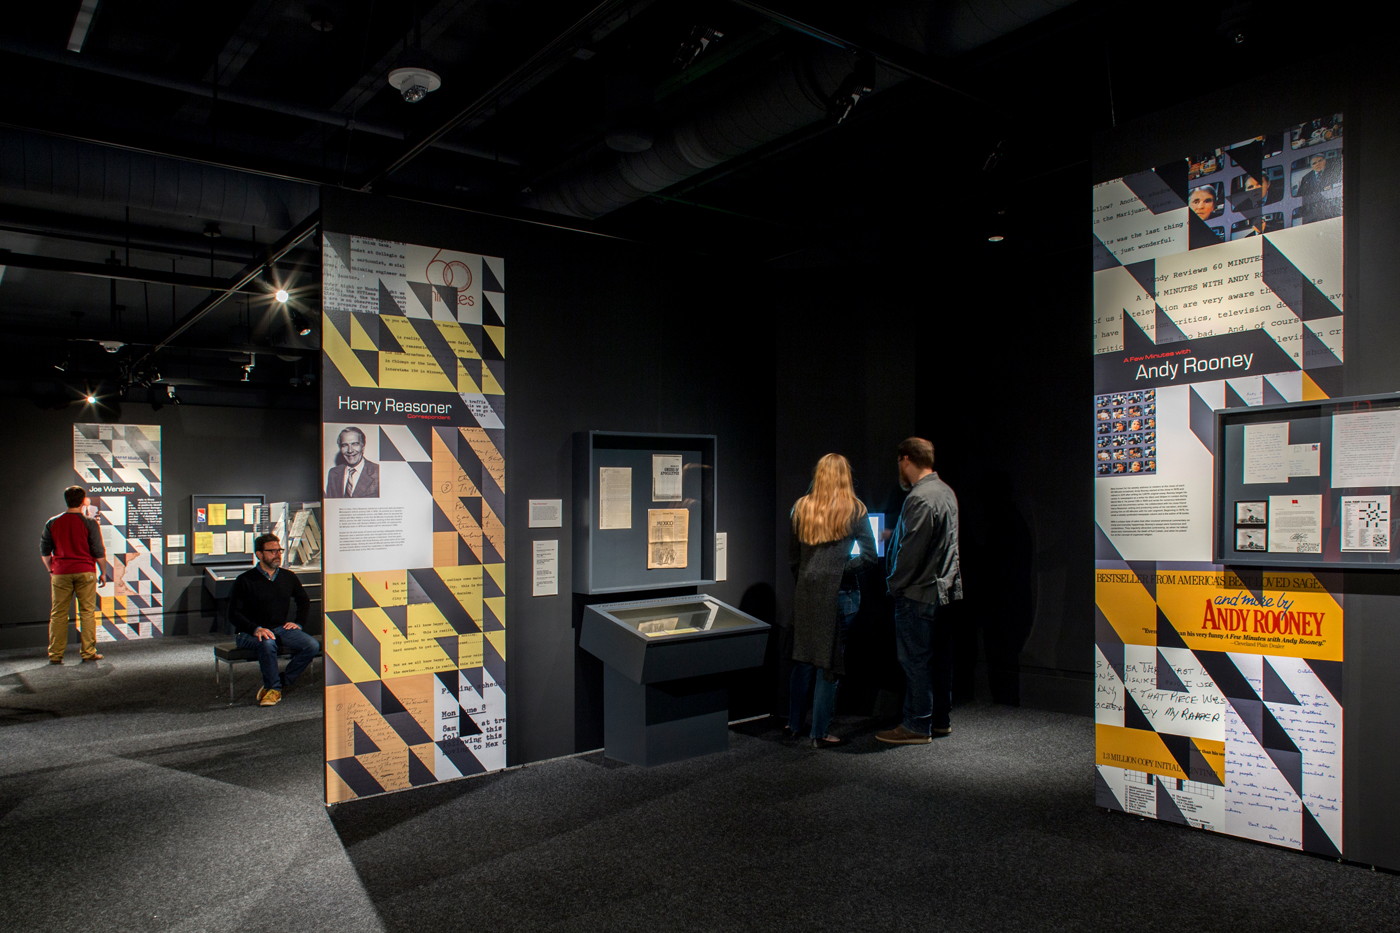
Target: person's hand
[[292, 625], [262, 634]]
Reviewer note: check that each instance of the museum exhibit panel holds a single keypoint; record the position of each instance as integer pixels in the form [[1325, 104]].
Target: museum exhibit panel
[[1218, 284], [662, 699], [413, 406]]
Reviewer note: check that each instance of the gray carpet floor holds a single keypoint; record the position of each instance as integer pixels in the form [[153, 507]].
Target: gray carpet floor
[[134, 798]]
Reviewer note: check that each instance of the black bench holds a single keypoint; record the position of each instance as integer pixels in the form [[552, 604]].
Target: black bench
[[229, 653]]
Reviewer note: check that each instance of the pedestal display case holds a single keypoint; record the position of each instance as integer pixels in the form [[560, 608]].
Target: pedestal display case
[[664, 698]]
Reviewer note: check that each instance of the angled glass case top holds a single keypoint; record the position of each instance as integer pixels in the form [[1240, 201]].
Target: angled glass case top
[[664, 619]]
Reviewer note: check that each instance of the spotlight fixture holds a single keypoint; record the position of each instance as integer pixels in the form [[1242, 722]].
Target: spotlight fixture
[[692, 45], [62, 365], [92, 400], [859, 83], [300, 322], [170, 393], [281, 295], [995, 238], [212, 230], [414, 82]]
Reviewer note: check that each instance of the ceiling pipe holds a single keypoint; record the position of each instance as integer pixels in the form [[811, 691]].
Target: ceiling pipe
[[227, 96], [102, 270], [56, 225], [55, 166], [282, 247], [790, 96]]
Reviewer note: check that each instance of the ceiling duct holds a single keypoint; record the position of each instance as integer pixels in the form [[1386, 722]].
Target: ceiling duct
[[790, 94], [794, 92], [76, 172], [628, 109]]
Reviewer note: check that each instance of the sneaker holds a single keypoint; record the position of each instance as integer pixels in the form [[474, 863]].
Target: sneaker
[[270, 697], [902, 736], [942, 730]]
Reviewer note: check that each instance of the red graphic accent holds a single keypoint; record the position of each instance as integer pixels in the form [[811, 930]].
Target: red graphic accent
[[455, 274]]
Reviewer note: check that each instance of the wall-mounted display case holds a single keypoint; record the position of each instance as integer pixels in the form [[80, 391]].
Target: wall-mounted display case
[[1308, 484], [643, 511], [224, 527]]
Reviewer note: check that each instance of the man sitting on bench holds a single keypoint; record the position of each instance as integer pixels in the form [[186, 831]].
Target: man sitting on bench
[[258, 610]]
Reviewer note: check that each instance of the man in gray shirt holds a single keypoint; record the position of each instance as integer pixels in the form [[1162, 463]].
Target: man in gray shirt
[[924, 574]]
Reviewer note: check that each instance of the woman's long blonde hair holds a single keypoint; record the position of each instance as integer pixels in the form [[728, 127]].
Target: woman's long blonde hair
[[830, 506]]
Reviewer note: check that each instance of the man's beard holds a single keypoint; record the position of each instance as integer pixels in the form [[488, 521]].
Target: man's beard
[[904, 484]]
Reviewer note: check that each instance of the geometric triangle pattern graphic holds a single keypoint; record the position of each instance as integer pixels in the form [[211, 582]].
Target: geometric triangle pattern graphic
[[1218, 283], [415, 649], [120, 466], [1235, 740]]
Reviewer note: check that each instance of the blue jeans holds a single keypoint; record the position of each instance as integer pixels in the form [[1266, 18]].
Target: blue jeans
[[824, 697], [923, 644], [302, 646]]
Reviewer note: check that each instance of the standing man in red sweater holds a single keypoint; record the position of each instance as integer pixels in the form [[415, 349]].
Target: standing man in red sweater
[[71, 547]]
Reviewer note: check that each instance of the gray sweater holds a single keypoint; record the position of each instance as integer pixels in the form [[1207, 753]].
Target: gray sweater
[[923, 555]]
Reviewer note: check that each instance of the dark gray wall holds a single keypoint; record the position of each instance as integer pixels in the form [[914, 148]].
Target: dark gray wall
[[846, 367], [1360, 81], [617, 336], [203, 450]]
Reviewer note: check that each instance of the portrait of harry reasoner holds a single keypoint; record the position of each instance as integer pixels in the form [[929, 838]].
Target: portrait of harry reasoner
[[352, 477]]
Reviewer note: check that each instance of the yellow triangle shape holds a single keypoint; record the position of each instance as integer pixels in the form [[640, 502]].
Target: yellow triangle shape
[[498, 641], [1311, 391], [337, 591], [498, 573], [457, 339], [497, 336], [497, 605], [465, 382], [489, 385], [339, 650], [343, 358], [1127, 606], [359, 340]]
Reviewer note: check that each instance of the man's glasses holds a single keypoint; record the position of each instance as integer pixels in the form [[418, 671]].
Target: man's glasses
[[272, 550]]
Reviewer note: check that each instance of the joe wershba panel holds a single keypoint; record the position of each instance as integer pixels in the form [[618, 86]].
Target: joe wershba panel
[[413, 432], [1217, 284], [120, 465]]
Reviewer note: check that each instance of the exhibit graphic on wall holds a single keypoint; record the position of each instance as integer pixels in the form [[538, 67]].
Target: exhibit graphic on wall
[[413, 412], [1217, 284], [119, 464]]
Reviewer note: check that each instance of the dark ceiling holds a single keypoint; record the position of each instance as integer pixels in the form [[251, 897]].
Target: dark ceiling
[[123, 145]]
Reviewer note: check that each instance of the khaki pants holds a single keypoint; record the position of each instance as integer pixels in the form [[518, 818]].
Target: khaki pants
[[65, 587]]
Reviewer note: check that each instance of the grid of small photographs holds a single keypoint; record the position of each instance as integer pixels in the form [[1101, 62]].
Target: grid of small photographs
[[1125, 433], [1252, 526]]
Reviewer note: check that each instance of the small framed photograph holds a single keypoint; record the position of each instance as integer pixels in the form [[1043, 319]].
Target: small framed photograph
[[1251, 539], [1252, 513]]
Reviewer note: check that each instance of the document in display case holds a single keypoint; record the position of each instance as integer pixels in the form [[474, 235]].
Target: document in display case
[[663, 697], [1308, 484], [644, 511]]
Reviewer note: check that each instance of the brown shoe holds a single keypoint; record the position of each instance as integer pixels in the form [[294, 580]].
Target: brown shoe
[[902, 736], [95, 657], [270, 697], [52, 661]]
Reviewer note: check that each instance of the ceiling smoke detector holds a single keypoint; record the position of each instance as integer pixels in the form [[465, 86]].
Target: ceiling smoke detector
[[414, 83]]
